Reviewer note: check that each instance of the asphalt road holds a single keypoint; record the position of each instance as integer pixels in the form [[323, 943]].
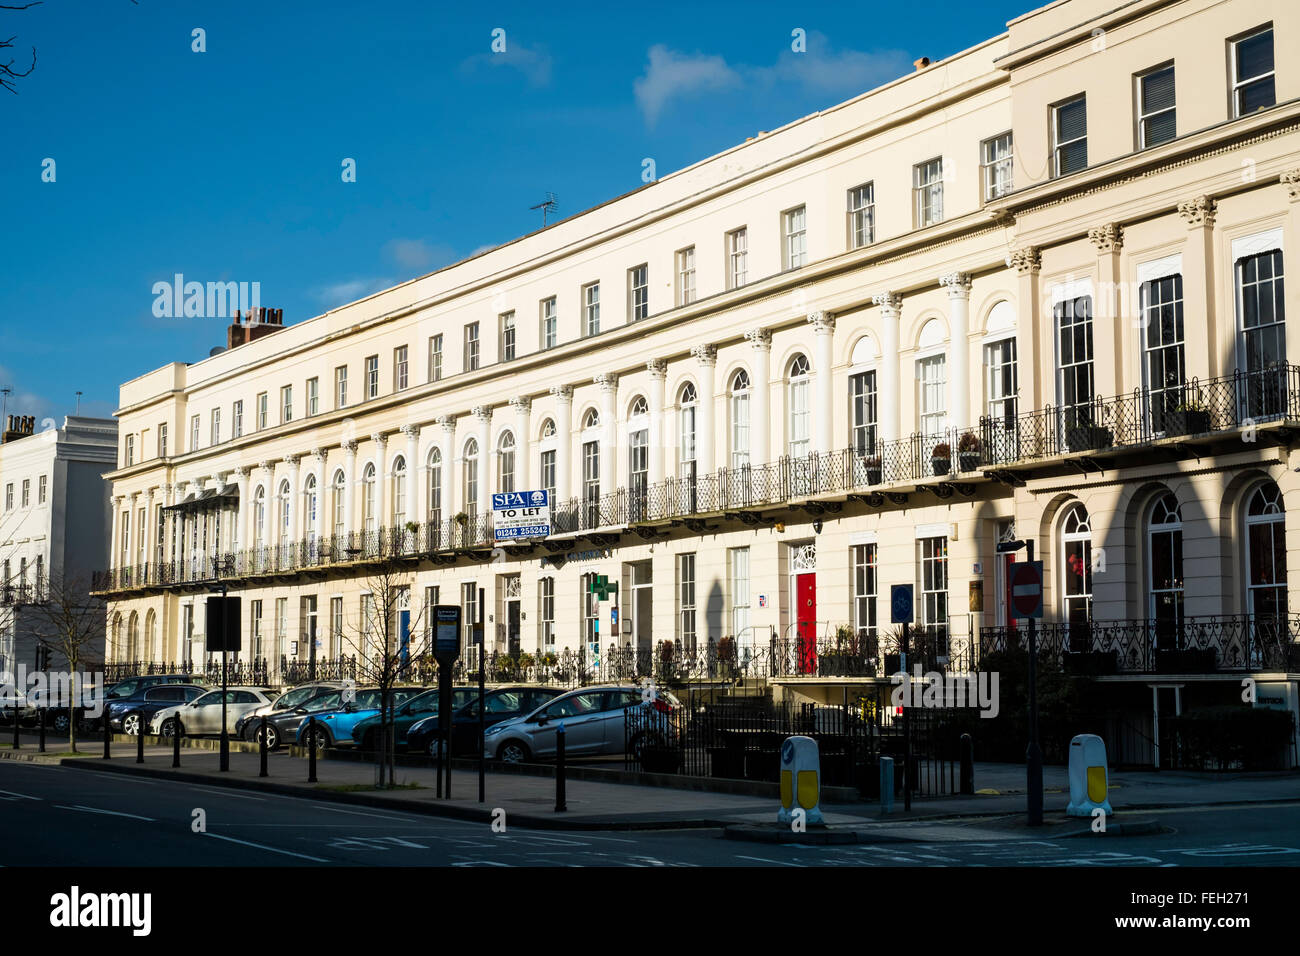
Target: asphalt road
[[60, 816]]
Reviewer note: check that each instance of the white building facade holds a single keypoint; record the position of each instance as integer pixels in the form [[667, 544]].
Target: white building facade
[[1033, 291], [53, 526]]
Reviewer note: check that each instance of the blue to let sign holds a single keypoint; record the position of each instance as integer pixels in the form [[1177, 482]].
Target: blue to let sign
[[900, 604]]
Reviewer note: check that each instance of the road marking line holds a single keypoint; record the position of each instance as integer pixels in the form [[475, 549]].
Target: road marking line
[[18, 796], [260, 846], [227, 793], [763, 860], [362, 813], [112, 813]]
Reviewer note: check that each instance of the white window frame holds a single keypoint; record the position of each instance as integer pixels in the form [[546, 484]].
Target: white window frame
[[685, 275], [861, 215], [1059, 145], [591, 309], [638, 292], [794, 238], [927, 193], [1143, 118], [549, 323], [435, 357], [997, 170], [1238, 84], [401, 368], [737, 257], [470, 354]]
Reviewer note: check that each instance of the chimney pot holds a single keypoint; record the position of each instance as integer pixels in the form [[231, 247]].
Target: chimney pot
[[922, 63]]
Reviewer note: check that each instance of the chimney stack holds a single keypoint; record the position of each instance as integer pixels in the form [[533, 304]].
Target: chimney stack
[[257, 324], [922, 63]]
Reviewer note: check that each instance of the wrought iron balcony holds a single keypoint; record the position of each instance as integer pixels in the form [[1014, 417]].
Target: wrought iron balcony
[[1192, 645]]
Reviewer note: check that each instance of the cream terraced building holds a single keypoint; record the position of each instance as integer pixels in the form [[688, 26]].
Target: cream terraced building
[[1059, 255]]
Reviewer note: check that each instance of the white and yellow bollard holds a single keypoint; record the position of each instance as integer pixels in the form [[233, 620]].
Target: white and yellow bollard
[[801, 783], [1089, 778]]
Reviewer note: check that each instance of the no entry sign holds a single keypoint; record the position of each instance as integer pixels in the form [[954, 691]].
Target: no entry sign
[[1027, 589]]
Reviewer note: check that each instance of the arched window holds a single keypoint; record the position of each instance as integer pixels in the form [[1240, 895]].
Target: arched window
[[740, 390], [639, 406], [133, 637], [798, 419], [1266, 553], [284, 511], [309, 500], [151, 650], [1076, 567], [116, 638], [686, 403], [506, 462], [548, 428], [259, 517], [1165, 560], [399, 493], [368, 517], [470, 459], [340, 502], [591, 419], [434, 509]]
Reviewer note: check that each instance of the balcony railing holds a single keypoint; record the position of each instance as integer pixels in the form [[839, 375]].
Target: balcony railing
[[1191, 645], [1243, 400]]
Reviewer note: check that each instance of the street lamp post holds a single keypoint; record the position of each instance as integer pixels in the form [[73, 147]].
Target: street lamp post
[[220, 568], [1033, 753]]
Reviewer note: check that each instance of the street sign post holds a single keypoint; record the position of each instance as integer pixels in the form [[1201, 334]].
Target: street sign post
[[1027, 589], [521, 514], [901, 612], [1027, 601]]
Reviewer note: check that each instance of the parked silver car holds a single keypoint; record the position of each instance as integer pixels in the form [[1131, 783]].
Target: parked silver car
[[594, 721], [203, 714]]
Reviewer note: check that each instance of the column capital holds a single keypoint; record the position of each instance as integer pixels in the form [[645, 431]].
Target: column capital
[[1200, 211], [266, 466], [482, 412], [350, 447], [448, 422], [118, 499], [657, 368], [888, 301], [759, 338], [166, 490], [521, 404], [410, 431], [705, 354], [1107, 238], [563, 393], [380, 439], [1291, 180], [606, 381], [1026, 259], [292, 460], [241, 474], [957, 283], [319, 455], [823, 323]]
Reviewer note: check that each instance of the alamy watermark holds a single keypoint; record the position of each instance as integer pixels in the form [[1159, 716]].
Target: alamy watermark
[[935, 689], [54, 689], [204, 300]]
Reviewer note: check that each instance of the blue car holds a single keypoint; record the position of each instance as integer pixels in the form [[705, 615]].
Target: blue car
[[334, 727]]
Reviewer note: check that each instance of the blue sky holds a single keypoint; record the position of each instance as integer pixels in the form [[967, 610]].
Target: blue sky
[[225, 165]]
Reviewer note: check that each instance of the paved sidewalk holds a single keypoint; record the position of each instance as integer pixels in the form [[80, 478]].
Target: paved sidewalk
[[529, 800]]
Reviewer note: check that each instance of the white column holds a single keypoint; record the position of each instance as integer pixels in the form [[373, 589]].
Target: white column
[[322, 496], [241, 535], [608, 385], [523, 442], [149, 539], [658, 370], [350, 486], [381, 480], [413, 472], [760, 424], [295, 498], [823, 324], [890, 306], [450, 469], [706, 459], [563, 441], [115, 559], [958, 286], [487, 455]]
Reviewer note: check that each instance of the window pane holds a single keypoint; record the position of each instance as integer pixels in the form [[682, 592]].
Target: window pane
[[1255, 55]]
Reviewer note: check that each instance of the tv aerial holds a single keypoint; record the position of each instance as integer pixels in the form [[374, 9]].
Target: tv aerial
[[547, 205]]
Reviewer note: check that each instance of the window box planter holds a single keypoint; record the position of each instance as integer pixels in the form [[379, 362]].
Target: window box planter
[[1088, 438], [1188, 421], [941, 465], [968, 460]]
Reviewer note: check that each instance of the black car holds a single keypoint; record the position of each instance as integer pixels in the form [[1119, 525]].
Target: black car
[[123, 690], [500, 703], [131, 714]]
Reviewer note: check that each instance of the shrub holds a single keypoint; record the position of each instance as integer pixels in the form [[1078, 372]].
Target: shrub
[[941, 450]]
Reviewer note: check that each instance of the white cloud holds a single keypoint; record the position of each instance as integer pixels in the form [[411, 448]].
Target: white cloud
[[418, 253], [534, 64], [671, 75], [341, 293]]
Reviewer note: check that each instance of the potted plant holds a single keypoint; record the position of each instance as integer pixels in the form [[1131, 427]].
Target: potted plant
[[462, 519], [941, 458], [968, 452], [526, 660], [549, 659], [1083, 435], [873, 467], [1189, 417]]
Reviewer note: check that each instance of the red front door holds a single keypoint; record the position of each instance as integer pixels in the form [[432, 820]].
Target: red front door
[[805, 602]]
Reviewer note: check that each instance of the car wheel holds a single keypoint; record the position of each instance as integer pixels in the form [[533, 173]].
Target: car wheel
[[169, 727], [434, 746], [61, 723], [131, 725], [272, 737], [513, 751], [320, 738]]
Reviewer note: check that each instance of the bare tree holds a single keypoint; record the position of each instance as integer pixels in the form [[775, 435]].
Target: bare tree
[[70, 624], [383, 659], [7, 72]]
